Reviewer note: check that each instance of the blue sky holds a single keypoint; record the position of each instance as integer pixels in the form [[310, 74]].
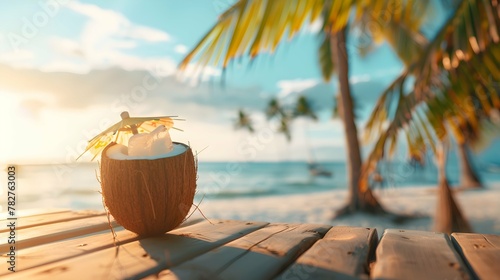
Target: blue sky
[[67, 65]]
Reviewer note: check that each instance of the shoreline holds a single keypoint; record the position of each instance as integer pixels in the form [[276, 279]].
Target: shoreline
[[480, 207]]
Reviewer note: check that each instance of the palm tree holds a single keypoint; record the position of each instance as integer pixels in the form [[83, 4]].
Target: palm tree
[[251, 27], [453, 81], [275, 110], [304, 109], [449, 217], [469, 178], [244, 121]]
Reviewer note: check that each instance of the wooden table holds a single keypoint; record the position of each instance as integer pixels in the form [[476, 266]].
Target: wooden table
[[80, 245]]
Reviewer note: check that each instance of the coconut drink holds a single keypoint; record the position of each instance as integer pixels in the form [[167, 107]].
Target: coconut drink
[[148, 185]]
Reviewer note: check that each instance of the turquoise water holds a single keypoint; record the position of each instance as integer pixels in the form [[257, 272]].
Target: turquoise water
[[76, 186]]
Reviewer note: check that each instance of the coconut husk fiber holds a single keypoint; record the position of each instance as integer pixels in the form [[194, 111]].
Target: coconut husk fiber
[[149, 197]]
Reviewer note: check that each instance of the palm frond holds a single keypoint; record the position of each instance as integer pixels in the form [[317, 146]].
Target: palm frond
[[304, 109], [454, 81], [443, 58], [257, 26], [325, 58], [285, 128], [274, 109], [466, 34], [252, 27], [244, 121], [399, 24]]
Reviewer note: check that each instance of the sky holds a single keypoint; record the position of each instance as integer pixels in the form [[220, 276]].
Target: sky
[[68, 68]]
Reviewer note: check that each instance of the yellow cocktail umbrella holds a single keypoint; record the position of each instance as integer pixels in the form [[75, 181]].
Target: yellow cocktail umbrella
[[126, 126]]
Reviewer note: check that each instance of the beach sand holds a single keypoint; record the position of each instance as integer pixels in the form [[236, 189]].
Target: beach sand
[[481, 208]]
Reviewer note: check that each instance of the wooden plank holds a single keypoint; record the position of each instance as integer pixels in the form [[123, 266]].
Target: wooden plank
[[481, 252], [65, 249], [58, 231], [43, 219], [411, 254], [259, 255], [69, 248], [32, 212], [344, 253], [146, 255]]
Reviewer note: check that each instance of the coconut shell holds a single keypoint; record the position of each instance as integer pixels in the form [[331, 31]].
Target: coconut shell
[[149, 197]]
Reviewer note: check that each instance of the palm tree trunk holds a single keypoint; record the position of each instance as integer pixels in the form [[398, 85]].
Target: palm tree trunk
[[358, 200], [448, 217], [468, 176]]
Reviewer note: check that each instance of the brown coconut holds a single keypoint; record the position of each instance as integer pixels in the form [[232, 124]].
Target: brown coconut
[[149, 197]]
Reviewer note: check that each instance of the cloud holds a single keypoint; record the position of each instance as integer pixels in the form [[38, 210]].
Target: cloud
[[315, 26], [32, 107], [108, 39], [288, 87], [81, 60], [88, 99], [360, 79], [182, 49], [64, 65], [105, 40], [110, 22], [66, 46], [148, 34], [365, 91], [126, 88], [20, 57], [194, 73]]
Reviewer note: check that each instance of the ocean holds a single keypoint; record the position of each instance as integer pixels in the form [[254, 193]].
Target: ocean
[[77, 187]]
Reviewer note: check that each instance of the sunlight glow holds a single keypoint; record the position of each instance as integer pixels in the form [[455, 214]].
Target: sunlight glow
[[446, 62], [460, 54], [474, 44]]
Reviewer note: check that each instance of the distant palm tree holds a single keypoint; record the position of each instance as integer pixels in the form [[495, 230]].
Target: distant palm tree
[[251, 27], [453, 85], [274, 109], [469, 178], [302, 108], [244, 121]]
